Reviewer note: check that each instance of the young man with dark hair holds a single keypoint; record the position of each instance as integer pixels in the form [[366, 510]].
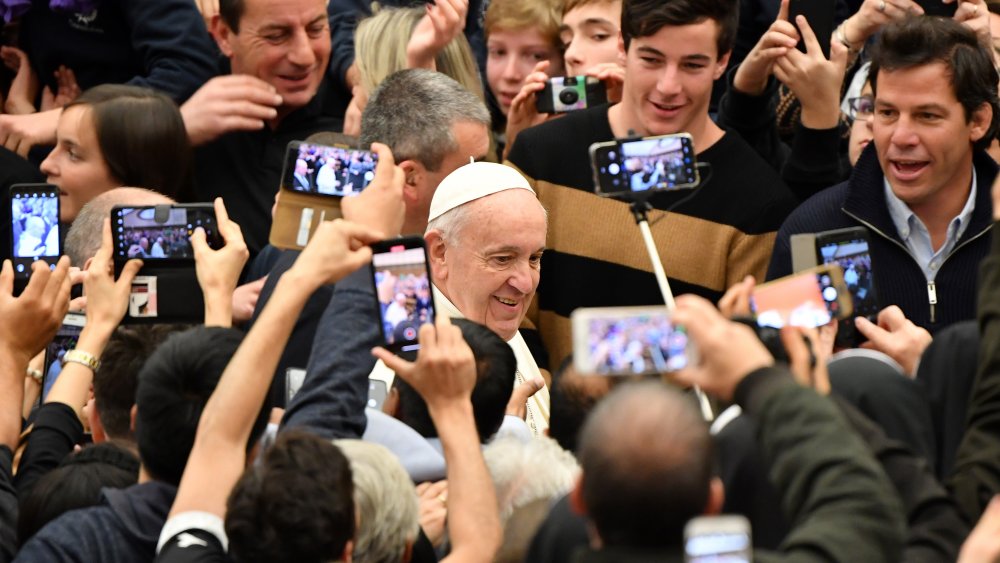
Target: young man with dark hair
[[922, 186], [673, 52]]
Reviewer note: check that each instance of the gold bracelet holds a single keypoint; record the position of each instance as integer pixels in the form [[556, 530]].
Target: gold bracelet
[[82, 358]]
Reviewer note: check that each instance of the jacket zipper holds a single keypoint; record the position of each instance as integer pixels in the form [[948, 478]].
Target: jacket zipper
[[931, 286]]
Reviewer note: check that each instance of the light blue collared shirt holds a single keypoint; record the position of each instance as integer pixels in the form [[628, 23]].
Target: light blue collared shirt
[[918, 240]]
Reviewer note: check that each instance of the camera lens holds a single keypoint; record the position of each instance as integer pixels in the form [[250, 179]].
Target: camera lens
[[569, 96]]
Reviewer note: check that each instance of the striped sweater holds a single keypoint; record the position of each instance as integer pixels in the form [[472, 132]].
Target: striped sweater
[[595, 255]]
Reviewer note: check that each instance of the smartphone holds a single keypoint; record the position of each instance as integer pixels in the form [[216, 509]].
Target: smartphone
[[401, 274], [162, 233], [34, 227], [849, 248], [377, 392], [938, 8], [294, 377], [711, 539], [666, 162], [810, 298], [819, 14], [627, 341], [327, 170], [65, 340], [570, 93]]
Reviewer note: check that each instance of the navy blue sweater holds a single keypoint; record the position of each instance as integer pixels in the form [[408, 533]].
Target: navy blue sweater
[[898, 278]]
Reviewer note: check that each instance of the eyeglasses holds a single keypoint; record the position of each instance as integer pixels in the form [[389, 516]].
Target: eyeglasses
[[862, 106]]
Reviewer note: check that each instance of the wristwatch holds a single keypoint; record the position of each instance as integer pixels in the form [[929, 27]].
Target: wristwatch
[[83, 358]]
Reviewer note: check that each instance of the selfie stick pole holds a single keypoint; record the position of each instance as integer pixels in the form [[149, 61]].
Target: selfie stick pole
[[639, 210]]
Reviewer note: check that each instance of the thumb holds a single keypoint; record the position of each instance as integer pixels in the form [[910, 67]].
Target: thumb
[[199, 242], [7, 278], [874, 333], [401, 367], [526, 390], [129, 272]]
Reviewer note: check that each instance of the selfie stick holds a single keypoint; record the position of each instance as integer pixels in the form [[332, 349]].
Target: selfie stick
[[640, 208]]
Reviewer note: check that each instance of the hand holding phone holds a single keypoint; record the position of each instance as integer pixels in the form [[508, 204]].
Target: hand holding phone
[[402, 282]]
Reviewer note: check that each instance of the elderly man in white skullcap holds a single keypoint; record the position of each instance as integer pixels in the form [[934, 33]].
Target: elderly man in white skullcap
[[485, 236]]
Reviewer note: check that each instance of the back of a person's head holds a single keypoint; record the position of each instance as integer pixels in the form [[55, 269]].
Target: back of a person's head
[[142, 137], [380, 48], [524, 472], [495, 367], [174, 385], [918, 41], [116, 380], [646, 456], [643, 18], [386, 501], [76, 483], [544, 16], [84, 237], [413, 111], [295, 504]]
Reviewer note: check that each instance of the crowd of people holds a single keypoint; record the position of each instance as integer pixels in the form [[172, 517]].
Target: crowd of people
[[135, 440]]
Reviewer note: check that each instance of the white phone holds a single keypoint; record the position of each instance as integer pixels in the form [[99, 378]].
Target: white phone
[[628, 341], [711, 539]]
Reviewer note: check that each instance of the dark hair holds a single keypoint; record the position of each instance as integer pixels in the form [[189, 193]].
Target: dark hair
[[142, 137], [174, 385], [297, 504], [570, 404], [495, 367], [76, 483], [116, 380], [919, 41], [642, 18], [231, 12], [646, 459]]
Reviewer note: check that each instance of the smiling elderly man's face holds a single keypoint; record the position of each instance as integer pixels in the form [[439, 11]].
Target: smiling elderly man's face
[[491, 270]]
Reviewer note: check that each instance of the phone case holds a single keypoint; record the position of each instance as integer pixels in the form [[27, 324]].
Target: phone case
[[298, 215]]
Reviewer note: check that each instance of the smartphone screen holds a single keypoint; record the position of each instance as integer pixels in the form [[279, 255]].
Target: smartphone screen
[[403, 290], [325, 170], [808, 299], [627, 341], [34, 225], [855, 259], [653, 163], [713, 539], [161, 232], [65, 340]]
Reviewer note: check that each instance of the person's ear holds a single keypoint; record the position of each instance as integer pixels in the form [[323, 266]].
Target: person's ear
[[720, 65], [222, 34], [576, 502], [980, 122], [413, 179], [716, 497], [437, 252], [132, 415], [86, 265]]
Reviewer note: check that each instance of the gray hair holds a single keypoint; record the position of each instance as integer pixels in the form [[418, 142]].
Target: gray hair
[[84, 237], [385, 498], [526, 472], [413, 112]]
